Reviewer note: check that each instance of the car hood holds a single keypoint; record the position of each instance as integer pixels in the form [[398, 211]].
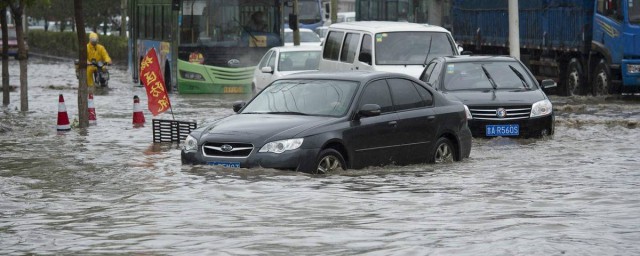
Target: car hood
[[495, 97], [412, 70], [260, 127]]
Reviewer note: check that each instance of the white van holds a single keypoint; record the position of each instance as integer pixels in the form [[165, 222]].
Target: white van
[[400, 47]]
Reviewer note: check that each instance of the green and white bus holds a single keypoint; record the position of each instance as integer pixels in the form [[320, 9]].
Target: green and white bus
[[206, 46]]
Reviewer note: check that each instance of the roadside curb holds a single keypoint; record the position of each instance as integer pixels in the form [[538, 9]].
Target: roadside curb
[[50, 57]]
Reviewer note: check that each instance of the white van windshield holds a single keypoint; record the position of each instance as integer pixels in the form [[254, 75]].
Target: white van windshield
[[411, 47]]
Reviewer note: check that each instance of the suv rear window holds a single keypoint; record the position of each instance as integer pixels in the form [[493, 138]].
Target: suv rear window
[[411, 47]]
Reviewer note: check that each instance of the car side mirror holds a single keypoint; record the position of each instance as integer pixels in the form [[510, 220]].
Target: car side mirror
[[368, 110], [460, 48], [238, 105], [548, 83], [267, 69], [365, 57]]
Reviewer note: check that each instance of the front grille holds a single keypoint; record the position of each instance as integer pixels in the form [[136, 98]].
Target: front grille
[[491, 112], [217, 149]]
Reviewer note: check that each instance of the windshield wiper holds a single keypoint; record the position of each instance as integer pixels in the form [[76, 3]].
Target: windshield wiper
[[524, 83], [493, 83], [428, 51], [287, 113]]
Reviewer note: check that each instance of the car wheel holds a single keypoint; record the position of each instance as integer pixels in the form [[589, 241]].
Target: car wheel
[[329, 161], [573, 78], [444, 152]]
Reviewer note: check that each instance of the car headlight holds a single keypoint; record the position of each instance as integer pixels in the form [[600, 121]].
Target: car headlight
[[541, 108], [281, 146], [633, 68], [191, 75], [468, 112], [190, 143]]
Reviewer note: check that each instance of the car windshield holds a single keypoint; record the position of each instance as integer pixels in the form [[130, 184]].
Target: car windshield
[[305, 97], [472, 76], [299, 60], [411, 48], [305, 36]]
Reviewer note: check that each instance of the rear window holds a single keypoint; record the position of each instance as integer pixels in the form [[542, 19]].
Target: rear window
[[411, 47]]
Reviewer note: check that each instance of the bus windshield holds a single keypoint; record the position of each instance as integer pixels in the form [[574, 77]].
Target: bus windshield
[[230, 23], [309, 12]]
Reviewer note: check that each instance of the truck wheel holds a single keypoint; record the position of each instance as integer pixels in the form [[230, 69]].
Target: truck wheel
[[573, 78], [602, 79]]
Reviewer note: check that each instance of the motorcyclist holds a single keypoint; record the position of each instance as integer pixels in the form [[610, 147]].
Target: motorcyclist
[[97, 52]]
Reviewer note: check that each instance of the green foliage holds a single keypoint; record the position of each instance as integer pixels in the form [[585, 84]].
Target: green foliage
[[65, 44]]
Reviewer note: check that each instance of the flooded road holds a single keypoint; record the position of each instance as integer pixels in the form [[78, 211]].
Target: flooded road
[[109, 190]]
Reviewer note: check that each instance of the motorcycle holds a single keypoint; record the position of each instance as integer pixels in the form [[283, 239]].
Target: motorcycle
[[100, 76]]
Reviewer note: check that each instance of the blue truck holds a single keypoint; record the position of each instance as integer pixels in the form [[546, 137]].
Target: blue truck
[[587, 46]]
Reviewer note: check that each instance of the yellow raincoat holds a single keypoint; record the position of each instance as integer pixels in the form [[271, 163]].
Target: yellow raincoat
[[97, 52]]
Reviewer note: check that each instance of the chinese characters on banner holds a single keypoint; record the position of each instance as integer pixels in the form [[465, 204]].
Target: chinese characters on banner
[[154, 83]]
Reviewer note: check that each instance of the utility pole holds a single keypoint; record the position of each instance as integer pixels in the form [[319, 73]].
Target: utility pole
[[123, 18], [334, 11], [514, 29], [296, 31]]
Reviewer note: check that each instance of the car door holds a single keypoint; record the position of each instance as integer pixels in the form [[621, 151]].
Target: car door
[[416, 120], [372, 140], [262, 79]]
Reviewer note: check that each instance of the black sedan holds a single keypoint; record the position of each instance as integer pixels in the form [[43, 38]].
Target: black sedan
[[324, 122], [502, 95]]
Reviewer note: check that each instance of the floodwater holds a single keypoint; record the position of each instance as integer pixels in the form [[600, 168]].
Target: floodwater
[[109, 190]]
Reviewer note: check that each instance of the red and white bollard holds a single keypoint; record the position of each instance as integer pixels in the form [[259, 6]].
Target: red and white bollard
[[138, 116], [92, 111], [63, 118]]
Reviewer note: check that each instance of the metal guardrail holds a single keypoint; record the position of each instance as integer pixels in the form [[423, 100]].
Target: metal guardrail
[[171, 130]]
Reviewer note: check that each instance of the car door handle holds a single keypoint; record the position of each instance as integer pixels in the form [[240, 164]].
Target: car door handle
[[431, 118], [393, 123]]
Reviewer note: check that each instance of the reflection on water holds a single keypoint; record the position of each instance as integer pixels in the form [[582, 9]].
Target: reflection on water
[[110, 190]]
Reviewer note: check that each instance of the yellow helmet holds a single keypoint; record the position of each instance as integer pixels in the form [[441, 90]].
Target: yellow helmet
[[93, 37]]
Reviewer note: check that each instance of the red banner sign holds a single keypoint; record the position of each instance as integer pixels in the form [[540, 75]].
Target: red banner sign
[[154, 82]]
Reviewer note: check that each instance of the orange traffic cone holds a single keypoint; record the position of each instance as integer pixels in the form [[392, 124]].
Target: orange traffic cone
[[63, 118], [92, 111], [138, 116]]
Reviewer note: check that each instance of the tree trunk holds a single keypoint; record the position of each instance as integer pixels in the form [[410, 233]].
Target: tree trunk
[[83, 108], [123, 18], [17, 11], [5, 57]]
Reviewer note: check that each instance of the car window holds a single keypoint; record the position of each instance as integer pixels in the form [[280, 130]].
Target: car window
[[411, 48], [349, 47], [427, 72], [304, 96], [299, 60], [434, 78], [424, 94], [377, 92], [272, 62], [332, 45], [265, 59], [404, 94]]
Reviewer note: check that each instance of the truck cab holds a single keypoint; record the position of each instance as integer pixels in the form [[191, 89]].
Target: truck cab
[[616, 46]]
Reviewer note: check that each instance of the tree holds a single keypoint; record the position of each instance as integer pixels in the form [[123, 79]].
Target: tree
[[5, 54], [83, 108], [17, 9]]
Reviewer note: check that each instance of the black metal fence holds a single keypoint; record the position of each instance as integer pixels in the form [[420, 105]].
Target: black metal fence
[[171, 130]]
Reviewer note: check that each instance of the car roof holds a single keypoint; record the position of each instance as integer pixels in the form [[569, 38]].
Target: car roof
[[300, 29], [295, 48], [351, 75], [476, 58], [386, 26]]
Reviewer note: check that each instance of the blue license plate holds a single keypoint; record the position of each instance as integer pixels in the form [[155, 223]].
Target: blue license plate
[[226, 164], [503, 130]]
